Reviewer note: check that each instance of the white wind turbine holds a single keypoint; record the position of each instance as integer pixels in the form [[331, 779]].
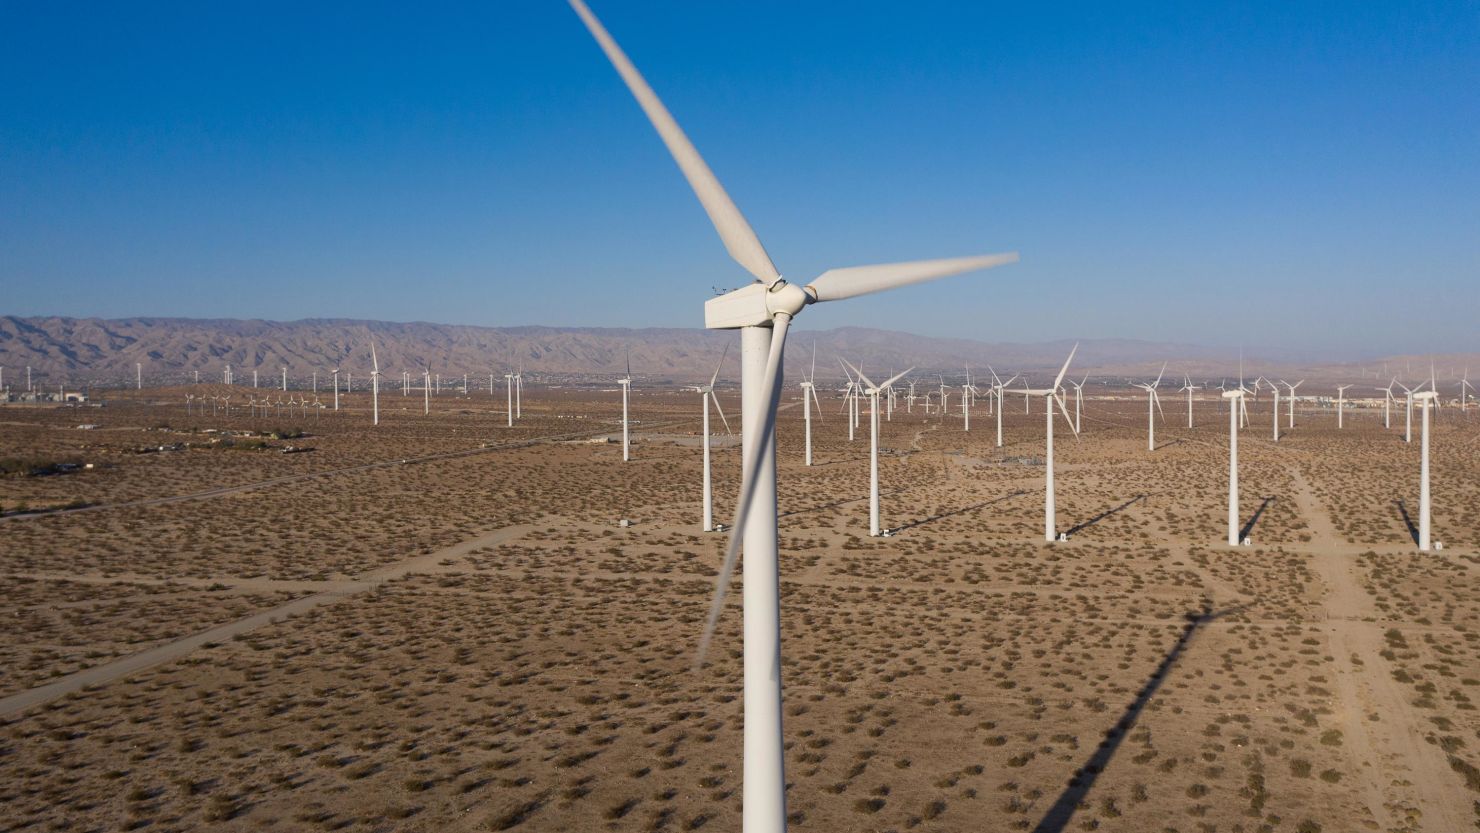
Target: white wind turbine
[[809, 399], [254, 378], [1078, 400], [1235, 399], [519, 391], [999, 387], [426, 391], [968, 393], [850, 399], [626, 381], [1189, 388], [1340, 403], [285, 377], [509, 395], [872, 391], [1464, 396], [1051, 398], [1424, 524], [336, 385], [1292, 399], [762, 311], [374, 385], [1276, 412], [1153, 406], [1387, 403], [1407, 412], [706, 394]]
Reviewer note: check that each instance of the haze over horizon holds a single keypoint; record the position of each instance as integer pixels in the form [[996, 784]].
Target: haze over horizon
[[1300, 179]]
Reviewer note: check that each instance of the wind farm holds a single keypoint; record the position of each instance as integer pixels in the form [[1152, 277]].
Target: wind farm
[[743, 564]]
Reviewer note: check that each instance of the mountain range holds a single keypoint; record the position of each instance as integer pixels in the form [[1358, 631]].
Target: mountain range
[[171, 350]]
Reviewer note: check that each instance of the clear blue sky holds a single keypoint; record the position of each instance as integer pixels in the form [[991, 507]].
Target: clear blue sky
[[1298, 175]]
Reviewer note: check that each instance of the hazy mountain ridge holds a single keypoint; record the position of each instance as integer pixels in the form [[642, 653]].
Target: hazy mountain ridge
[[172, 349]]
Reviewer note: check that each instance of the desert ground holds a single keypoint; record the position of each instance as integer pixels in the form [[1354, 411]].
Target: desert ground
[[439, 623]]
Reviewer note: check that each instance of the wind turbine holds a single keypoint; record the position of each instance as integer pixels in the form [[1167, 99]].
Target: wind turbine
[[1189, 387], [336, 385], [762, 311], [625, 382], [1235, 399], [1276, 412], [374, 385], [1078, 399], [254, 378], [1340, 402], [1407, 412], [1387, 403], [1292, 399], [509, 395], [967, 394], [519, 391], [285, 378], [809, 399], [1424, 524], [1050, 399], [872, 391], [1464, 383], [426, 391], [706, 393], [850, 399], [1000, 387], [1153, 406]]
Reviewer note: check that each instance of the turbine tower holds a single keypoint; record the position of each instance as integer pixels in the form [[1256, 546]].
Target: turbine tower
[[1340, 403], [762, 311], [872, 391], [336, 386]]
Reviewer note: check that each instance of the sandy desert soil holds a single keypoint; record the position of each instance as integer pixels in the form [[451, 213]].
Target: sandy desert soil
[[438, 624]]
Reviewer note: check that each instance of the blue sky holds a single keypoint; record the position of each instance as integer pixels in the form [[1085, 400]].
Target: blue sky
[[1296, 176]]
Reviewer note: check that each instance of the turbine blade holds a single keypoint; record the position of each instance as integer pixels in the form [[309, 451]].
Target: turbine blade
[[721, 412], [852, 281], [739, 238], [1157, 400], [1064, 409], [747, 484], [1159, 375], [717, 367], [863, 377], [893, 379], [1065, 369]]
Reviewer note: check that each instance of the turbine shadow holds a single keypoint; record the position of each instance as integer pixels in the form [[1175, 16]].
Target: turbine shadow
[[835, 504], [1407, 521], [1058, 815], [1071, 531], [953, 512], [1249, 527], [1168, 443]]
